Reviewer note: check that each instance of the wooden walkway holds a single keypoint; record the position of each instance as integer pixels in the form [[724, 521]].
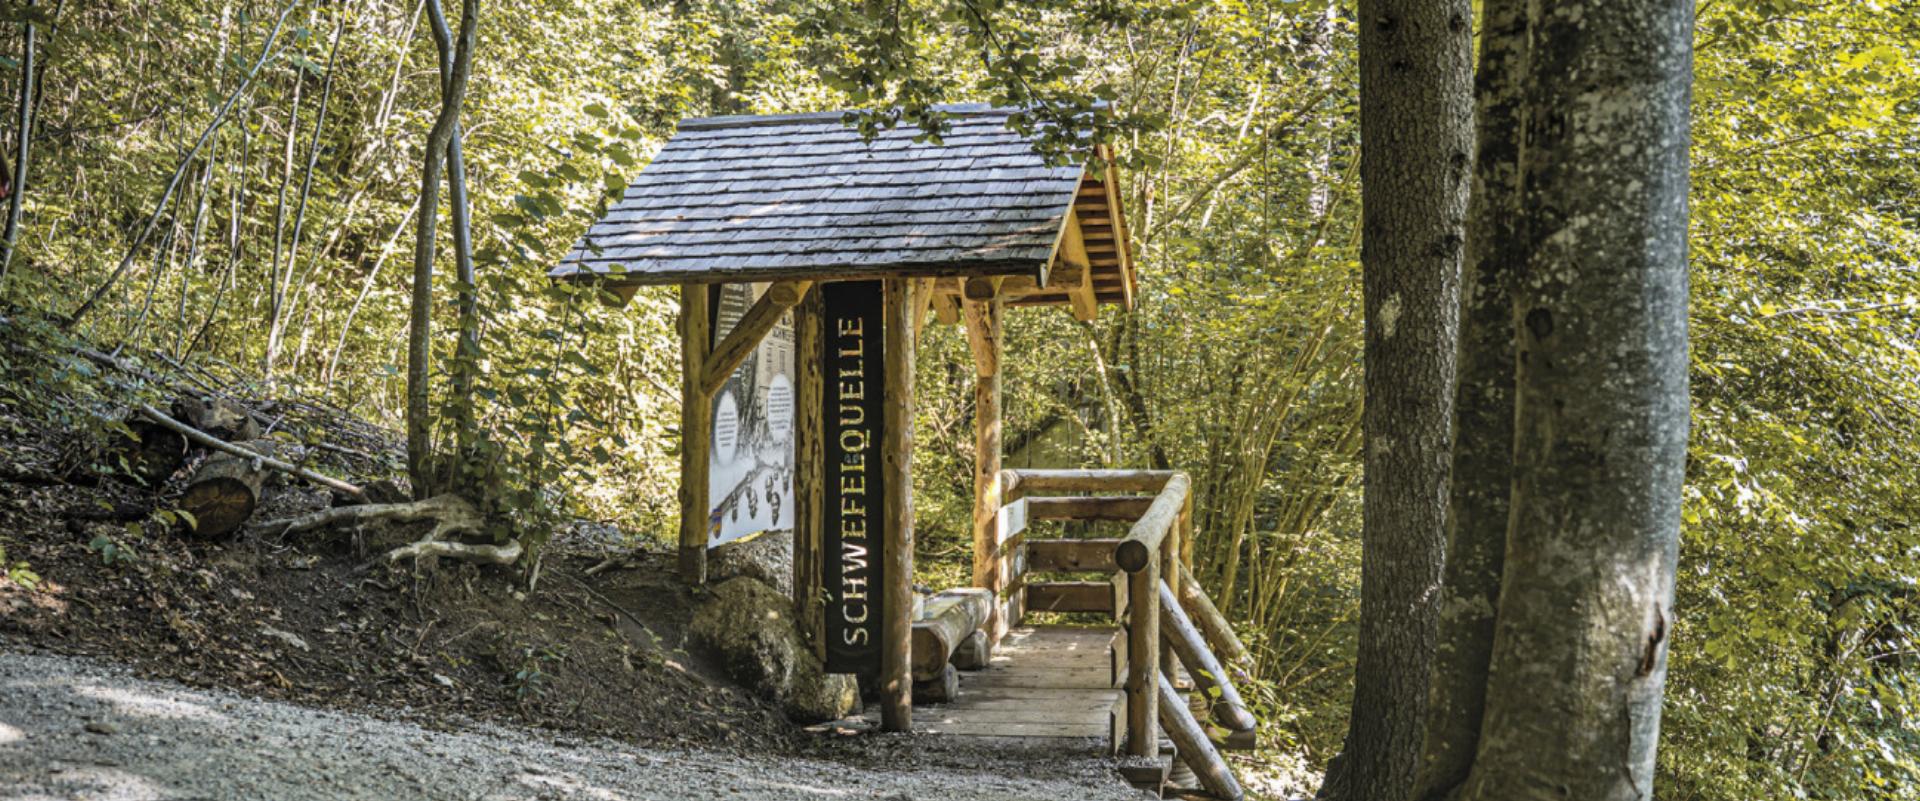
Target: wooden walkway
[[1044, 681]]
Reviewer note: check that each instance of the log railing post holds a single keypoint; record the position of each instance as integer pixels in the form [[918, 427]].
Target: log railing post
[[1143, 659]]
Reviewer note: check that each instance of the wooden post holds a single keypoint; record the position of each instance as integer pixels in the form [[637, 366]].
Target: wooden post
[[896, 453], [1215, 685], [983, 318], [1143, 659], [1194, 747], [696, 422], [809, 456], [1170, 572]]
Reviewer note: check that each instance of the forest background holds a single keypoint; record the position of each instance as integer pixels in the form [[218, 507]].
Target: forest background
[[274, 249]]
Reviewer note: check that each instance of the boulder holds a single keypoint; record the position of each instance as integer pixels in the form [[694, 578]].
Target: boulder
[[749, 626], [767, 557]]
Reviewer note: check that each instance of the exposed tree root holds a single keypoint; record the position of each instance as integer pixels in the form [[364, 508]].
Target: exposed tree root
[[452, 515], [495, 554]]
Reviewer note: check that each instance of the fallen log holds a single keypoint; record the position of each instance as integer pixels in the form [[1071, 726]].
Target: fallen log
[[151, 451], [951, 617], [218, 417], [225, 489]]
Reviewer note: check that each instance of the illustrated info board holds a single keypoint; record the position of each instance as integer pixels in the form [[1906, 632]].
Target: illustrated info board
[[750, 467]]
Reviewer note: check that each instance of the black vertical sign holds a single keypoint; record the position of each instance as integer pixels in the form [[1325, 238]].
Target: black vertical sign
[[854, 384]]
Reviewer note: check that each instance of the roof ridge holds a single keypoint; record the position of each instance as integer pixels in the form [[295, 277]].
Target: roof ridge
[[760, 120]]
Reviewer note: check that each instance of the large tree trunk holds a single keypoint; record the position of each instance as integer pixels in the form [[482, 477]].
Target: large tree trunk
[[1416, 119], [1482, 411], [1600, 422]]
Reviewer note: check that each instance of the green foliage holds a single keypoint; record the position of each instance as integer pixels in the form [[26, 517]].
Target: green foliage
[[1795, 666]]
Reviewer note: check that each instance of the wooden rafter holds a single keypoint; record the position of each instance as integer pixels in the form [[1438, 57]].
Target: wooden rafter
[[747, 333]]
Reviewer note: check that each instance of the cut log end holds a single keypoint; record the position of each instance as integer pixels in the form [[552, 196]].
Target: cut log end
[[219, 505]]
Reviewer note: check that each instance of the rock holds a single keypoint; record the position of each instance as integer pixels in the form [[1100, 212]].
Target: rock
[[750, 627], [768, 557], [101, 727], [287, 637]]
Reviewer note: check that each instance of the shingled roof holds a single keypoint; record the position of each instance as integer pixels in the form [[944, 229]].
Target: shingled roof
[[757, 198]]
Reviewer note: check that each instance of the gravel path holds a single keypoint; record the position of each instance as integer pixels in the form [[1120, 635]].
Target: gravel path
[[72, 729]]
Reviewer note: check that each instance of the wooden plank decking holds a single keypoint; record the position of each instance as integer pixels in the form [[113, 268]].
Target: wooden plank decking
[[1044, 681]]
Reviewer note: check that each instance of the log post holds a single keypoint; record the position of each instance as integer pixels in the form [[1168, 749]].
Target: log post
[[896, 453], [1143, 658], [809, 455], [984, 321], [696, 423], [1170, 573]]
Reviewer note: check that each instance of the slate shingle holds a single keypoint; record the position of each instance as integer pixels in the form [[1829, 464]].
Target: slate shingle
[[791, 196]]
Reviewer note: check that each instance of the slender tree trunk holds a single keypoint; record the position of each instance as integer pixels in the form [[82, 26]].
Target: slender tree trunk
[[1482, 412], [16, 199], [1416, 127], [366, 288], [277, 327], [467, 323], [276, 285], [1600, 406], [419, 330], [267, 52]]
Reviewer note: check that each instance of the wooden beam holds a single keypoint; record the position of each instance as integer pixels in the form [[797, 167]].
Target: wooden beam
[[809, 470], [1138, 549], [984, 287], [896, 454], [1193, 746], [1073, 271], [1209, 676], [747, 333], [1089, 507], [984, 320], [1120, 235], [1071, 556], [923, 302], [696, 422], [1070, 596], [946, 309], [1219, 632], [1107, 480]]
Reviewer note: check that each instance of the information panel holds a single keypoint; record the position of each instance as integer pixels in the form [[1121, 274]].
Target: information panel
[[750, 466], [851, 516]]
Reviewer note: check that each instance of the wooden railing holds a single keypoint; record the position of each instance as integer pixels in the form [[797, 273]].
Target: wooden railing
[[1152, 597]]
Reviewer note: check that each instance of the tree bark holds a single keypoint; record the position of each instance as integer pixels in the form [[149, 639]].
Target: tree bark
[[16, 197], [420, 323], [467, 321], [1482, 412], [1600, 406], [1416, 136]]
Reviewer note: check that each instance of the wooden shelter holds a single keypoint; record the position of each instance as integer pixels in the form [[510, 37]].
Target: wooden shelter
[[865, 241], [955, 230]]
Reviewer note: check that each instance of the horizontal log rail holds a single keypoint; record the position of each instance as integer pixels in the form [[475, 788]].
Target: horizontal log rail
[[1135, 552]]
